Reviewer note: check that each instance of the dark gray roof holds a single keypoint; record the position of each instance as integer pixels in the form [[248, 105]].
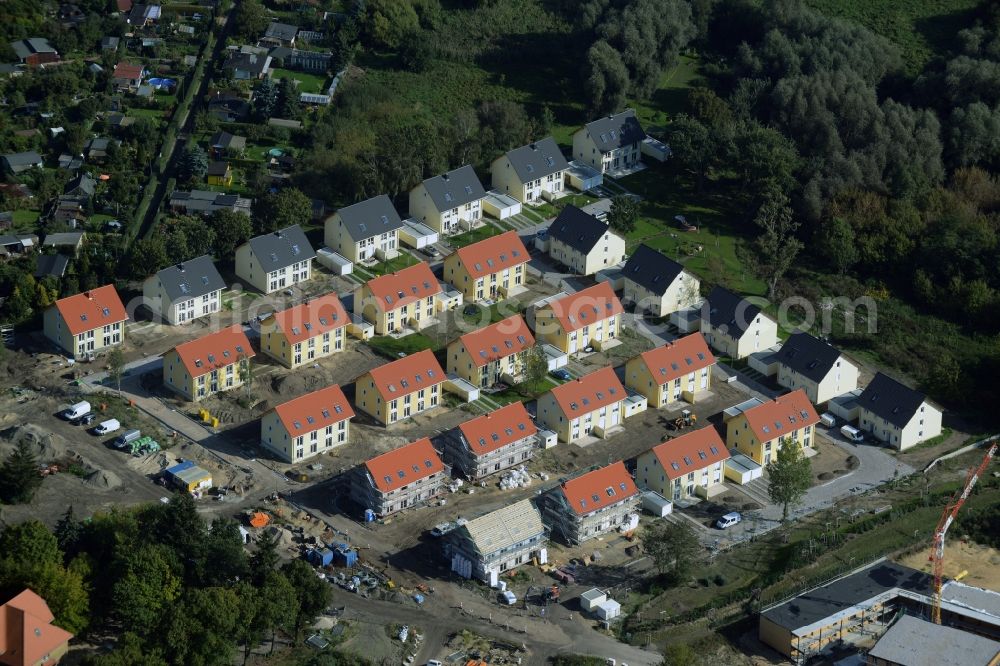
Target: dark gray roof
[[251, 63], [808, 356], [370, 217], [217, 168], [27, 158], [110, 43], [26, 47], [282, 31], [223, 139], [916, 642], [190, 279], [611, 132], [204, 201], [83, 183], [577, 229], [890, 400], [455, 188], [651, 269], [841, 594], [282, 248], [727, 309], [537, 160], [51, 265]]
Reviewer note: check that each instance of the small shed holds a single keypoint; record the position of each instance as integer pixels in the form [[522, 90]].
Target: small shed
[[466, 390], [190, 477], [657, 504], [635, 403], [609, 609], [583, 177], [547, 438], [500, 205], [846, 406], [613, 275], [344, 555], [555, 358], [417, 235], [359, 328], [765, 362], [742, 469], [592, 598], [319, 557], [687, 320], [337, 263], [655, 148]]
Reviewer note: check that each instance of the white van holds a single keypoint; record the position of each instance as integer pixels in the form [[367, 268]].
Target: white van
[[852, 434], [74, 411], [828, 419], [107, 427], [728, 520], [122, 440]]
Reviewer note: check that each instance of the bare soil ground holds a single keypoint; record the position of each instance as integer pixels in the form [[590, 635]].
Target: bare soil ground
[[981, 562]]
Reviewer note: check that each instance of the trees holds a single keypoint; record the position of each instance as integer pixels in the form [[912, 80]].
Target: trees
[[146, 586], [536, 366], [282, 209], [19, 478], [265, 99], [116, 366], [837, 244], [692, 145], [776, 247], [386, 23], [185, 237], [789, 476], [232, 229], [673, 547], [624, 213], [287, 104], [147, 255], [606, 79], [193, 164], [312, 593], [251, 19]]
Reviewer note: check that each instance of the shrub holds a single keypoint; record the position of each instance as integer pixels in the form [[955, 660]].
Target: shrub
[[720, 580]]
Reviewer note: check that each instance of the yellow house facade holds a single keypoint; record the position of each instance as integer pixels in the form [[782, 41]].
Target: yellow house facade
[[87, 323], [399, 300], [401, 389], [364, 231], [302, 334], [211, 364], [588, 406], [496, 353], [678, 370], [591, 317], [307, 426], [488, 269], [686, 466], [759, 431]]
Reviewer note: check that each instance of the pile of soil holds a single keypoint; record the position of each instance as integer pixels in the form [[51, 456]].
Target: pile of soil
[[46, 445], [103, 479]]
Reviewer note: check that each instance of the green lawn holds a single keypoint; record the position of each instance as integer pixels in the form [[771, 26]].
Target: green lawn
[[392, 347], [25, 217], [404, 260], [155, 114], [474, 236], [498, 311], [671, 96], [308, 83], [919, 27]]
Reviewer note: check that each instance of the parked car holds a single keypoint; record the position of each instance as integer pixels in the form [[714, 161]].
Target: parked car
[[561, 374], [470, 310], [432, 252], [852, 434], [728, 520], [75, 411], [126, 438], [442, 528], [107, 427], [84, 419]]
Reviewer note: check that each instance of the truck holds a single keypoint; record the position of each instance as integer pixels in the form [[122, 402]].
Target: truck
[[75, 410]]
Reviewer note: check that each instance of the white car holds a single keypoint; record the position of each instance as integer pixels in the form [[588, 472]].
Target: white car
[[107, 427]]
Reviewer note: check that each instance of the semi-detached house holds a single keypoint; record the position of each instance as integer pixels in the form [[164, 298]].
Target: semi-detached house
[[304, 333], [584, 243], [502, 540], [734, 326], [87, 323], [488, 269], [275, 261], [678, 370], [307, 426], [493, 442], [655, 283], [450, 202], [815, 365], [760, 430], [684, 467], [592, 504], [406, 298], [896, 414], [591, 317], [531, 174], [405, 477], [400, 389], [611, 143], [492, 354], [589, 405], [366, 230], [211, 364], [185, 292]]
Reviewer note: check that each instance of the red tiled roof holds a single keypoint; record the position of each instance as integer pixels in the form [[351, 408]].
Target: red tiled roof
[[493, 254], [599, 489], [215, 350], [404, 287], [691, 451], [91, 309], [678, 358], [781, 417], [308, 320], [124, 70], [407, 375], [26, 632], [404, 465], [585, 394], [314, 411], [506, 337], [586, 307], [498, 428]]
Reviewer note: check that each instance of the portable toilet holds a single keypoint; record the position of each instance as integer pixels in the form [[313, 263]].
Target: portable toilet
[[369, 516], [344, 556], [320, 557]]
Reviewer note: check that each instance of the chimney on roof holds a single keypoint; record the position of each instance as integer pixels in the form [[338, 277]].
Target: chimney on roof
[[89, 295], [533, 146], [278, 233], [445, 177], [180, 267]]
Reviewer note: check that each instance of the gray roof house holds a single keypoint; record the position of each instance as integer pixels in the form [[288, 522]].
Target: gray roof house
[[888, 399], [224, 143], [277, 260], [282, 34], [455, 188], [35, 50], [282, 248], [51, 265], [815, 365], [537, 160], [615, 131], [730, 310], [67, 239], [202, 202], [913, 641], [15, 163], [499, 541], [650, 269], [97, 148], [83, 185], [110, 43], [577, 229], [247, 66], [371, 217], [185, 291]]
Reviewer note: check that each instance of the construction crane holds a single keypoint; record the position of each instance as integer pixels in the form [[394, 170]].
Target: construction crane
[[947, 518]]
